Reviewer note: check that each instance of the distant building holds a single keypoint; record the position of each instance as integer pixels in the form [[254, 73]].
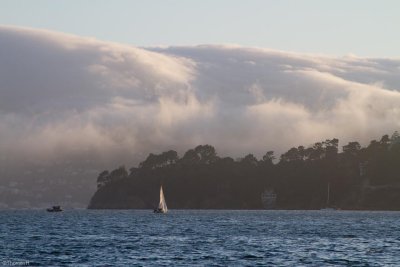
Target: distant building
[[268, 199], [362, 168]]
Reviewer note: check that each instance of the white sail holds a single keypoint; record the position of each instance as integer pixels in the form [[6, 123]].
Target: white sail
[[162, 206]]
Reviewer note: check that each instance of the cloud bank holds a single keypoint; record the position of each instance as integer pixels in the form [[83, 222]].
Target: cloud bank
[[63, 95]]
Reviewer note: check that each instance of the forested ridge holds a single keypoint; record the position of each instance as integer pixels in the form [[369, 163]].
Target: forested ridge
[[359, 178]]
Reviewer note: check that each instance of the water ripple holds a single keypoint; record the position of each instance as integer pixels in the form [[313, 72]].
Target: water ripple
[[200, 238]]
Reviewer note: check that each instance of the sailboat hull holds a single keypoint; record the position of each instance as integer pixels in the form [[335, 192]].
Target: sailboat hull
[[159, 211]]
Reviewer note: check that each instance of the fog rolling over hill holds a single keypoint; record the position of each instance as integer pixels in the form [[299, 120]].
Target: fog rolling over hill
[[72, 106]]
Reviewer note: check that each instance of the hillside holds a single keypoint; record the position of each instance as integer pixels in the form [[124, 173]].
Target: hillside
[[359, 178]]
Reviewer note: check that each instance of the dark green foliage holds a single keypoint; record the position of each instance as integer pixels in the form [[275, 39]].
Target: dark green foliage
[[105, 177], [250, 160], [159, 161], [269, 158], [203, 154], [352, 148], [359, 178]]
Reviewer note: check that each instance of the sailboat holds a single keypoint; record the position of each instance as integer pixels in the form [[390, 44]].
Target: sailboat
[[162, 206], [328, 207]]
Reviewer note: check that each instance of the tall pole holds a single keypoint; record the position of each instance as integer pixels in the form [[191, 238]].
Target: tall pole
[[327, 200]]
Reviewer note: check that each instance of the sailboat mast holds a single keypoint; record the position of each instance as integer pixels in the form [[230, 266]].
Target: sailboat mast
[[161, 195], [327, 199]]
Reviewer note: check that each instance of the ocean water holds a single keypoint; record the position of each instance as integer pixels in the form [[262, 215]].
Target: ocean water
[[199, 238]]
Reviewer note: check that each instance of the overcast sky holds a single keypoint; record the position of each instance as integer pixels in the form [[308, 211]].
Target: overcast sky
[[362, 27]]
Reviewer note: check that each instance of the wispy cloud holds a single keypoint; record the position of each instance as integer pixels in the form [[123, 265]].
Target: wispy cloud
[[60, 94]]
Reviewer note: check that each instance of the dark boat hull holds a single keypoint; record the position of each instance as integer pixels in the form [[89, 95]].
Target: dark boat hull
[[159, 211], [54, 209]]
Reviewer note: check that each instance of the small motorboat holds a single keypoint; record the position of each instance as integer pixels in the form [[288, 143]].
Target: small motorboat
[[54, 209]]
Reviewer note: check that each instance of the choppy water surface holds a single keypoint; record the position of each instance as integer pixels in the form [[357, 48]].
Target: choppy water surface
[[181, 238]]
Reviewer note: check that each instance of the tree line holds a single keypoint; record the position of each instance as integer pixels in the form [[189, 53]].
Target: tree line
[[359, 178]]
